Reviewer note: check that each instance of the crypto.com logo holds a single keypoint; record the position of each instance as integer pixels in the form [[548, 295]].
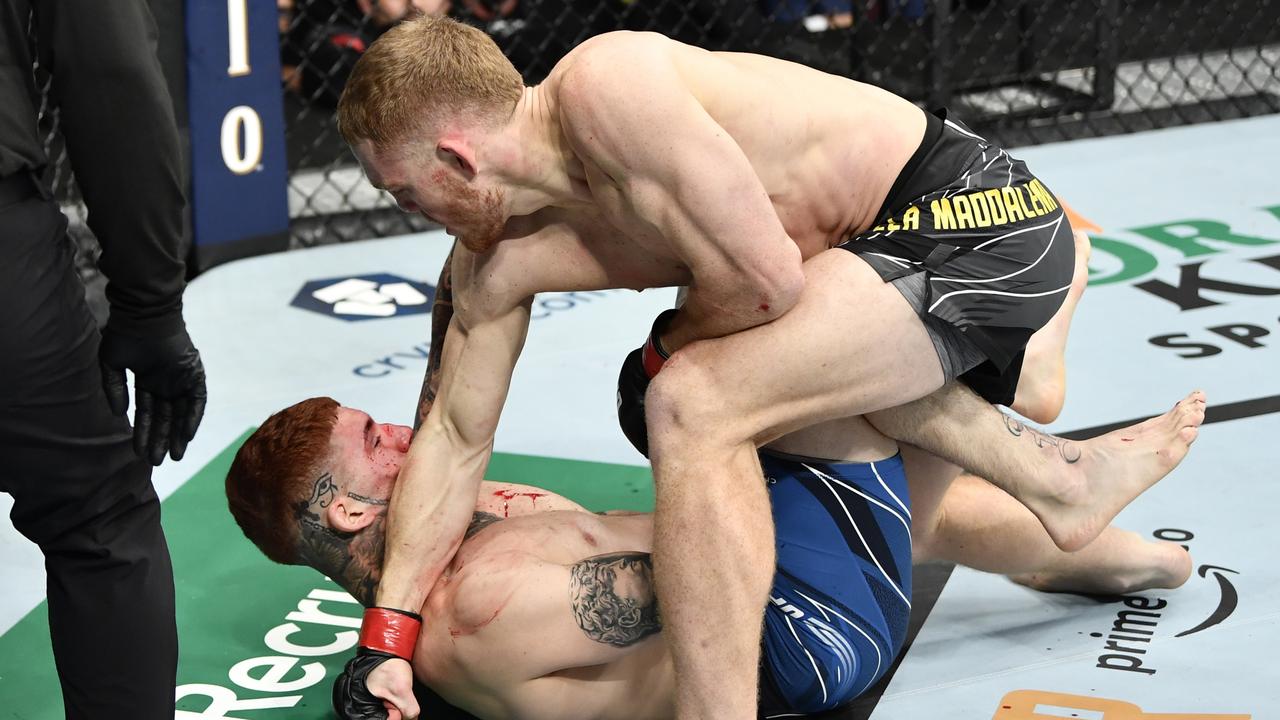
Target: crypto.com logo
[[1046, 705], [365, 297]]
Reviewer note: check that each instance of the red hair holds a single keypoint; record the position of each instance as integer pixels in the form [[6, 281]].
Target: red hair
[[273, 471]]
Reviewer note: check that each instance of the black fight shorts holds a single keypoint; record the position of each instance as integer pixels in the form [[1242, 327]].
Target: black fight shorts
[[991, 244]]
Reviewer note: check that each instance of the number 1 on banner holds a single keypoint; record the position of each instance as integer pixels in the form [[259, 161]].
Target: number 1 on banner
[[238, 38]]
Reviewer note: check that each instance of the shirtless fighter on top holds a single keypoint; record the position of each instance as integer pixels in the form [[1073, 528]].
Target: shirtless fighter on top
[[845, 252]]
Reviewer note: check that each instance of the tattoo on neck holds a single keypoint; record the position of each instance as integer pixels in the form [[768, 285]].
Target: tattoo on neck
[[351, 559], [1067, 450], [613, 598], [369, 500]]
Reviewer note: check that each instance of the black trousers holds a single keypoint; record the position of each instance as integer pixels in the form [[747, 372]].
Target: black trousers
[[79, 492]]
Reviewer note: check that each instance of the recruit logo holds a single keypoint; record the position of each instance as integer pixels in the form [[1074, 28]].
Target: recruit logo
[[273, 680], [365, 297], [1048, 705]]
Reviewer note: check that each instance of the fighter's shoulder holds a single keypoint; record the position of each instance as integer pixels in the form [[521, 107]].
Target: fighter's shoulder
[[603, 68]]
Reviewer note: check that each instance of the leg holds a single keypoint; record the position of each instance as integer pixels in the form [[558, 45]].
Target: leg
[[843, 588], [929, 478], [706, 411], [1042, 386], [982, 527], [1074, 488], [968, 521], [79, 492], [715, 400]]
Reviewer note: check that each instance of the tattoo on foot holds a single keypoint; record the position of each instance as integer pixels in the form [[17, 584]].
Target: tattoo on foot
[[1067, 450], [613, 598], [353, 560]]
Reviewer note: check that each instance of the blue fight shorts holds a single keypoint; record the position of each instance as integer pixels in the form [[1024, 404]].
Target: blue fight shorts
[[841, 597]]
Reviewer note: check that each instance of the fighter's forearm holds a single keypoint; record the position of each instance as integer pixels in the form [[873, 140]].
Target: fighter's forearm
[[745, 301], [430, 510], [702, 318]]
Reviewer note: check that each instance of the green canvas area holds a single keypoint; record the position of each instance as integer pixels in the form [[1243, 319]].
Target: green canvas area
[[235, 606]]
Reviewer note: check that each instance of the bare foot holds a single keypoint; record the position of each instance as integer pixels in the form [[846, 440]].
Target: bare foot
[[1042, 386], [1124, 563], [1113, 469]]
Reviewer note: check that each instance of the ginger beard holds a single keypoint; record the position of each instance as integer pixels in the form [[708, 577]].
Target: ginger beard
[[473, 214]]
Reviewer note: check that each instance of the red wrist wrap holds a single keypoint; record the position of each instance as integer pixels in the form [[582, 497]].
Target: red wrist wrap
[[391, 631], [652, 357]]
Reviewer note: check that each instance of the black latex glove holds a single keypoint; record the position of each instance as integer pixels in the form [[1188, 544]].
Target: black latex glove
[[170, 390], [351, 697]]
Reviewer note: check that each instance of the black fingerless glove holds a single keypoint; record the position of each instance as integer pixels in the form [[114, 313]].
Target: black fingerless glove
[[351, 697], [638, 370]]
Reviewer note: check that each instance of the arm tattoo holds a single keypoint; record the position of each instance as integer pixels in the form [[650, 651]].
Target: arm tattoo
[[479, 521], [441, 315], [613, 599], [1067, 450]]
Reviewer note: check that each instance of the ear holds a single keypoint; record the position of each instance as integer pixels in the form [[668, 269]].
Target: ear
[[457, 152], [346, 514]]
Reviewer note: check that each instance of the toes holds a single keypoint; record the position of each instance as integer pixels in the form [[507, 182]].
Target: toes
[[1188, 435]]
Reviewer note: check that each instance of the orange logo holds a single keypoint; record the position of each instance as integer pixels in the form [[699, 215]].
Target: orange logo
[[1043, 705]]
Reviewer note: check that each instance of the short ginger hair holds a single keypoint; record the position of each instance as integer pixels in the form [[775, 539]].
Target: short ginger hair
[[423, 70], [273, 472]]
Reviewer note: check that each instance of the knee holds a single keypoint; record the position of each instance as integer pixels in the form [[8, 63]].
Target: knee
[[687, 406]]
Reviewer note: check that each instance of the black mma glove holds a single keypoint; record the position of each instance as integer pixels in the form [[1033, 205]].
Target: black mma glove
[[638, 370], [170, 389], [351, 697], [386, 633]]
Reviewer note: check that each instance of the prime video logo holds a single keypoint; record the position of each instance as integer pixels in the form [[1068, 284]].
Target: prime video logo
[[365, 297]]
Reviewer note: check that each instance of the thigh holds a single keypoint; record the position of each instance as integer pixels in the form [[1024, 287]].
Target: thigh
[[851, 345], [840, 601], [850, 439]]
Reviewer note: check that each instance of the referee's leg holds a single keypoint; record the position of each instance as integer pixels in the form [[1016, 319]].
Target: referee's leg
[[79, 492]]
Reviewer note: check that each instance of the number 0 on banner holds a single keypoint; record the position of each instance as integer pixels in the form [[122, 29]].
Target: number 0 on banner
[[242, 158]]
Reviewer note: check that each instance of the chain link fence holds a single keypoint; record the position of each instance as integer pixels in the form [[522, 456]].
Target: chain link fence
[[1020, 71]]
